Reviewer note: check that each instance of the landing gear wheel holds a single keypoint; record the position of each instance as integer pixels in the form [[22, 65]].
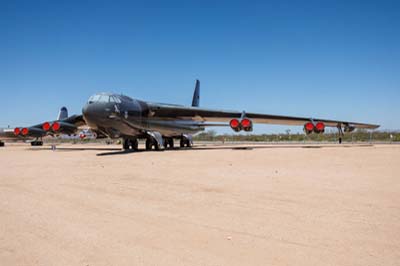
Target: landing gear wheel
[[149, 144], [1, 144], [188, 143], [185, 142], [37, 143], [168, 142], [134, 144], [126, 144], [129, 144], [165, 142], [156, 147]]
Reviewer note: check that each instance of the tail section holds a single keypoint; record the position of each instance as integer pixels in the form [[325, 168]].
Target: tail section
[[63, 113], [196, 95]]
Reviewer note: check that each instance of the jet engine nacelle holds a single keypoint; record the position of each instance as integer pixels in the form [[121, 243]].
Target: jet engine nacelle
[[63, 127], [235, 125], [245, 124], [32, 132], [309, 128], [319, 128], [17, 131]]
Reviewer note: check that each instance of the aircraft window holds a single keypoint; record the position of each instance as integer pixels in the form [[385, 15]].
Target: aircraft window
[[126, 98], [94, 98], [104, 99], [115, 99]]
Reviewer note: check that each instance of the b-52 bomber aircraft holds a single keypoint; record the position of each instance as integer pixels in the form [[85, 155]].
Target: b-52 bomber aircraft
[[119, 116]]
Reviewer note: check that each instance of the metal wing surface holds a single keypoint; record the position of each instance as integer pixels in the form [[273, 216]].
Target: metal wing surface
[[210, 115]]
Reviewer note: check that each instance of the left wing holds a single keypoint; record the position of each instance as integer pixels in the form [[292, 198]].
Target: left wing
[[209, 115]]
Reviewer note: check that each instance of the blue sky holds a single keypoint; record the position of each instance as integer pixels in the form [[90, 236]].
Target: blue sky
[[328, 59]]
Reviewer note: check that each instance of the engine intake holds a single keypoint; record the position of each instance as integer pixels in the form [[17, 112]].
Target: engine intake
[[235, 125], [63, 127], [46, 126], [319, 128], [17, 131], [309, 128], [246, 124]]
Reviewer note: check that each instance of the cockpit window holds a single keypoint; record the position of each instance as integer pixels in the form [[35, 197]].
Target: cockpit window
[[114, 99], [104, 99], [101, 98], [94, 98], [126, 98]]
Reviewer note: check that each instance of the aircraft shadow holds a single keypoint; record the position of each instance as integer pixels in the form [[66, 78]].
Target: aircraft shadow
[[200, 148], [75, 149]]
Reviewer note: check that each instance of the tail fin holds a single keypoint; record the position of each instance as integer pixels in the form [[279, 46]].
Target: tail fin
[[196, 95], [63, 113]]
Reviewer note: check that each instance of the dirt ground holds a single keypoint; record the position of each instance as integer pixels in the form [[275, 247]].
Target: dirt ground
[[213, 205]]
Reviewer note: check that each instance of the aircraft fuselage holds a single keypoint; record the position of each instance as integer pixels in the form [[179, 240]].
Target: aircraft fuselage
[[120, 116]]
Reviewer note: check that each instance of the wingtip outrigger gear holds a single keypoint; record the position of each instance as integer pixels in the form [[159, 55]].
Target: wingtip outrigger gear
[[339, 127]]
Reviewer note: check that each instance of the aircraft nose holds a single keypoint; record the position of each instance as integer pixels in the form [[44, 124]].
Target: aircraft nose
[[85, 109], [88, 110]]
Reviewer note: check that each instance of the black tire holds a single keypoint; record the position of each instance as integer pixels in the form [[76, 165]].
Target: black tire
[[126, 144], [134, 144], [182, 143], [2, 144], [149, 144], [156, 147], [188, 143], [166, 142]]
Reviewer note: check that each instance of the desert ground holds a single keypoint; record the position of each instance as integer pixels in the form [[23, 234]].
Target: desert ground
[[212, 205]]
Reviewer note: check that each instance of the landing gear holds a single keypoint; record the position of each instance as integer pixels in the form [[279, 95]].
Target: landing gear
[[1, 144], [169, 142], [37, 143], [149, 144], [182, 143], [185, 142], [155, 139], [339, 126], [130, 144]]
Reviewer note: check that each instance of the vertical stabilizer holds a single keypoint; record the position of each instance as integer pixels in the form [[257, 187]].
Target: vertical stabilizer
[[196, 95], [63, 113]]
